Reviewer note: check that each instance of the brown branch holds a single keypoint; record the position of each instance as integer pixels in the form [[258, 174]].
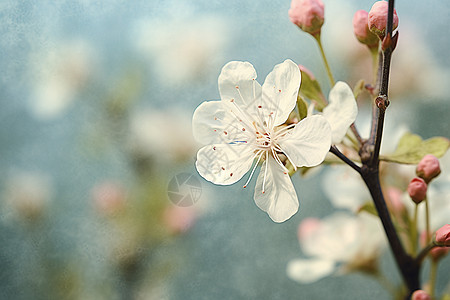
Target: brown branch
[[369, 153]]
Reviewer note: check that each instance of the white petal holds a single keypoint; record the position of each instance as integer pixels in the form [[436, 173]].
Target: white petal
[[280, 91], [279, 199], [309, 270], [213, 123], [308, 142], [224, 164], [341, 111], [237, 81]]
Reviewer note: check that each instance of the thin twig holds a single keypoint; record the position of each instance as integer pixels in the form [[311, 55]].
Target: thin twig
[[425, 252], [344, 158], [356, 133]]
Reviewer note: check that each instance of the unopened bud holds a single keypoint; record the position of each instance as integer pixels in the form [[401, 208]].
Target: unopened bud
[[428, 168], [378, 16], [420, 295], [362, 31], [443, 235], [417, 190], [308, 15]]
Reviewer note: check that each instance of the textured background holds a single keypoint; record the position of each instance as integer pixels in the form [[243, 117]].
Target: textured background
[[53, 126]]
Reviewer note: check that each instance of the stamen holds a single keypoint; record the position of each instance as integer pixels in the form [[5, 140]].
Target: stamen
[[276, 108], [278, 160], [254, 89], [234, 126], [245, 118], [290, 160], [278, 148], [260, 153], [265, 172], [239, 92], [264, 141], [283, 130]]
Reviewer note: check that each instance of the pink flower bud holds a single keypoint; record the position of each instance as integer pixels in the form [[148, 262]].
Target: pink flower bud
[[362, 31], [417, 190], [420, 295], [308, 15], [428, 168], [378, 15], [443, 235]]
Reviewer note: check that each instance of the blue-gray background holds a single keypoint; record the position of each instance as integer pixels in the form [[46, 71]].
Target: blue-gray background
[[234, 251]]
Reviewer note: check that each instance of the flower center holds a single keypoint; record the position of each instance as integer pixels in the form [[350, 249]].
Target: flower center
[[264, 141], [267, 146]]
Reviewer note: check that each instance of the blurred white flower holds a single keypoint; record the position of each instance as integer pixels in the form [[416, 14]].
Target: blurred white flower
[[59, 74], [27, 194], [345, 188], [337, 244], [182, 50], [165, 135]]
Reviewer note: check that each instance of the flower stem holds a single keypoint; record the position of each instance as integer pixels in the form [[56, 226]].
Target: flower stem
[[375, 55], [356, 133], [427, 221], [433, 244], [413, 235], [419, 259], [433, 273], [324, 58]]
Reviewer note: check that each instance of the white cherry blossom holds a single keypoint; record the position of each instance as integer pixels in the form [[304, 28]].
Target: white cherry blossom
[[341, 111], [247, 125]]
